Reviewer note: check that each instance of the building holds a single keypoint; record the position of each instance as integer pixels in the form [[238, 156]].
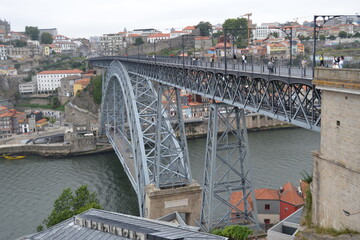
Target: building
[[18, 52], [5, 26], [27, 88], [3, 52], [48, 81], [144, 32], [80, 84], [287, 228], [203, 43], [9, 121], [52, 31], [100, 224], [158, 37], [111, 44], [264, 32], [189, 29], [272, 205]]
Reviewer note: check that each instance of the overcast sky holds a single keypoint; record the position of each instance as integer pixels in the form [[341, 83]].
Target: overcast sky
[[85, 18]]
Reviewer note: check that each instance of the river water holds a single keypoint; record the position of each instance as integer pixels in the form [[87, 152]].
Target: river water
[[29, 186]]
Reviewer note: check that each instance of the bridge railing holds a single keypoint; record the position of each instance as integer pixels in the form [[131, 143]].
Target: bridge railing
[[230, 65]]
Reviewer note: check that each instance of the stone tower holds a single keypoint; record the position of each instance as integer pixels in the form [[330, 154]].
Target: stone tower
[[336, 173]]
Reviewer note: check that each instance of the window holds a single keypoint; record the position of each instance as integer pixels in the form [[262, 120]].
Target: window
[[267, 206], [267, 221]]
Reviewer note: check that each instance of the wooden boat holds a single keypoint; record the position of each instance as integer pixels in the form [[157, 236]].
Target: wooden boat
[[13, 157]]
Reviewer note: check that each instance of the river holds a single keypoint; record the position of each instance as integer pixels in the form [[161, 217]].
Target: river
[[29, 186]]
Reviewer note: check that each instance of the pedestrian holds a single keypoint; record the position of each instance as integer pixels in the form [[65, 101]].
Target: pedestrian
[[243, 58], [303, 63], [212, 60], [335, 63], [234, 58], [341, 61], [321, 60], [270, 66]]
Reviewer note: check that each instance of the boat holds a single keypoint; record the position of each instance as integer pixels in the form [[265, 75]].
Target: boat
[[13, 157]]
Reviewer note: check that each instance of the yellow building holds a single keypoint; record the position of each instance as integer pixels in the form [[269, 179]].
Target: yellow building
[[47, 50], [80, 84]]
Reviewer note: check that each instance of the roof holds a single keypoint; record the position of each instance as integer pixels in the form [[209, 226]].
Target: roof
[[158, 35], [7, 114], [290, 195], [61, 72], [266, 194], [189, 28], [84, 82], [42, 120], [77, 228], [202, 38]]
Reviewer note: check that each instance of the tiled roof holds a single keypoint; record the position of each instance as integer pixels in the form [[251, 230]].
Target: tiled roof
[[42, 120], [290, 195], [267, 194], [7, 114], [84, 82], [202, 38], [158, 35], [61, 71], [189, 28]]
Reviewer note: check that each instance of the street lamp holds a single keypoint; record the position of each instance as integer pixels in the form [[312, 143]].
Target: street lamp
[[155, 50], [316, 31], [289, 35]]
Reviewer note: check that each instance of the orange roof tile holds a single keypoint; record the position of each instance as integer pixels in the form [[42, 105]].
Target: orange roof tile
[[236, 197], [158, 35], [2, 108], [134, 35], [84, 82], [61, 71], [184, 106], [42, 120], [189, 28], [290, 195], [195, 104], [267, 194]]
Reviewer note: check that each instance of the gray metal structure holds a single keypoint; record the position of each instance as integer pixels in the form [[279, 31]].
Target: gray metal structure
[[141, 115], [227, 170], [141, 133]]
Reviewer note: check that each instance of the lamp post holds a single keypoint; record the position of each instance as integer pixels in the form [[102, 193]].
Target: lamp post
[[289, 35], [316, 31], [155, 50]]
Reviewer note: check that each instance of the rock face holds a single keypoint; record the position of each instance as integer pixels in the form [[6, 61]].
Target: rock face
[[85, 101]]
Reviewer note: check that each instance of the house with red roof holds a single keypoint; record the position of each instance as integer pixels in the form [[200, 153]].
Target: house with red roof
[[272, 205], [158, 37], [189, 29]]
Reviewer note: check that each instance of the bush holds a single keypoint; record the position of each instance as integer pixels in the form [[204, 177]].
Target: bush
[[234, 232]]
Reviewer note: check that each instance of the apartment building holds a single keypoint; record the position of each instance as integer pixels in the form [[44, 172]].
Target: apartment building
[[48, 81]]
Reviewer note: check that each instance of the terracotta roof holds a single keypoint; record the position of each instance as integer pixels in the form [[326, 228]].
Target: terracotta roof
[[2, 108], [222, 45], [7, 114], [267, 194], [157, 35], [290, 195], [184, 106], [195, 104], [189, 28], [42, 120], [235, 198], [84, 82], [134, 35], [202, 38], [61, 71]]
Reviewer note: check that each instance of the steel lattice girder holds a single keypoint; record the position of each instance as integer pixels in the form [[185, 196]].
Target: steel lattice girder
[[285, 99], [130, 109], [227, 171]]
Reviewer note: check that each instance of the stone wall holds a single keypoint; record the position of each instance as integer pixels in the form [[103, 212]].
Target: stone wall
[[79, 116], [336, 172], [253, 121]]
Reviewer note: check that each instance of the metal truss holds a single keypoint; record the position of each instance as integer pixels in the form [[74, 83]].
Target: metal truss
[[294, 100], [227, 171], [140, 131]]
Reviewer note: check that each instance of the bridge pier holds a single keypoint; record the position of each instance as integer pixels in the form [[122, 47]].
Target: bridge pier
[[186, 199], [336, 171]]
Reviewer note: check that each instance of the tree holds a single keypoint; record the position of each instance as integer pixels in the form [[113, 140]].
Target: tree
[[332, 37], [342, 34], [32, 32], [55, 103], [138, 41], [275, 34], [68, 205], [322, 37], [52, 121], [46, 38], [238, 29], [19, 43], [234, 232], [356, 35], [205, 28]]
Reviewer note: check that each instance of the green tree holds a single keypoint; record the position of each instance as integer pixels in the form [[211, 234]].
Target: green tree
[[32, 32], [138, 41], [342, 34], [238, 29], [356, 35], [68, 205], [52, 120], [55, 102], [275, 34], [332, 37], [234, 232], [46, 38], [97, 82], [205, 28], [322, 37], [19, 43]]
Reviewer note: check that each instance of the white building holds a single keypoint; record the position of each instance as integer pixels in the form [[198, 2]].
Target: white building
[[111, 44], [158, 37], [27, 88], [48, 81], [263, 32], [3, 52]]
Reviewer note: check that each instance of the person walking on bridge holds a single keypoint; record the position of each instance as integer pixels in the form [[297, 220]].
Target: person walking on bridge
[[321, 60]]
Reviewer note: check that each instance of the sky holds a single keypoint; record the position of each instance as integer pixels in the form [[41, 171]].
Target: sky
[[85, 18]]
